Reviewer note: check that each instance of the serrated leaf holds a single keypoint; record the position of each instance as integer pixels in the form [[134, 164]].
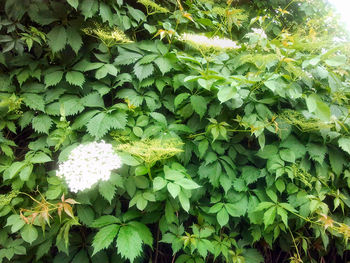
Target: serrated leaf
[[164, 64], [53, 78], [180, 98], [250, 174], [199, 104], [105, 237], [337, 160], [34, 101], [40, 157], [129, 243], [283, 214], [159, 118], [74, 38], [83, 119], [107, 190], [344, 143], [126, 57], [222, 217], [143, 71], [57, 38], [117, 119], [85, 214], [184, 201], [238, 208], [106, 13], [75, 78], [93, 100], [98, 126], [269, 216], [73, 3], [89, 8], [317, 152], [105, 221], [143, 232], [42, 123]]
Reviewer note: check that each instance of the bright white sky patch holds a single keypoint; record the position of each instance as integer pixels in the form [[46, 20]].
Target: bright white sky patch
[[343, 9]]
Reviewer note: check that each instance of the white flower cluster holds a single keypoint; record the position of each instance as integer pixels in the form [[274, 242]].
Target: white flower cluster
[[260, 32], [87, 164], [205, 42]]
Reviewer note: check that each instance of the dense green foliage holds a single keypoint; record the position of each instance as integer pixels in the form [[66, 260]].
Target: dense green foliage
[[230, 154]]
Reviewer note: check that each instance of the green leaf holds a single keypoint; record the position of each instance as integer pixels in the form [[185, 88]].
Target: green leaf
[[172, 174], [283, 214], [129, 243], [143, 232], [104, 221], [187, 183], [81, 257], [42, 123], [106, 13], [105, 237], [93, 100], [126, 57], [238, 208], [173, 189], [89, 8], [180, 98], [164, 64], [13, 170], [272, 195], [143, 71], [251, 255], [159, 183], [280, 185], [203, 147], [226, 93], [74, 38], [107, 190], [199, 104], [287, 155], [34, 101], [85, 214], [337, 160], [83, 119], [222, 217], [57, 38], [53, 78], [73, 3], [317, 152], [40, 157], [269, 216], [159, 118], [336, 61], [29, 233], [16, 222], [75, 78], [184, 201], [344, 143], [263, 206], [250, 174], [99, 125], [26, 172]]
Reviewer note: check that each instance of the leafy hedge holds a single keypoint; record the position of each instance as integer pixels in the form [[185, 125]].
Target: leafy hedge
[[232, 151]]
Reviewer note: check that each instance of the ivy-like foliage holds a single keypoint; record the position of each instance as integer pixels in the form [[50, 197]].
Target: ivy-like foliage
[[231, 119]]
